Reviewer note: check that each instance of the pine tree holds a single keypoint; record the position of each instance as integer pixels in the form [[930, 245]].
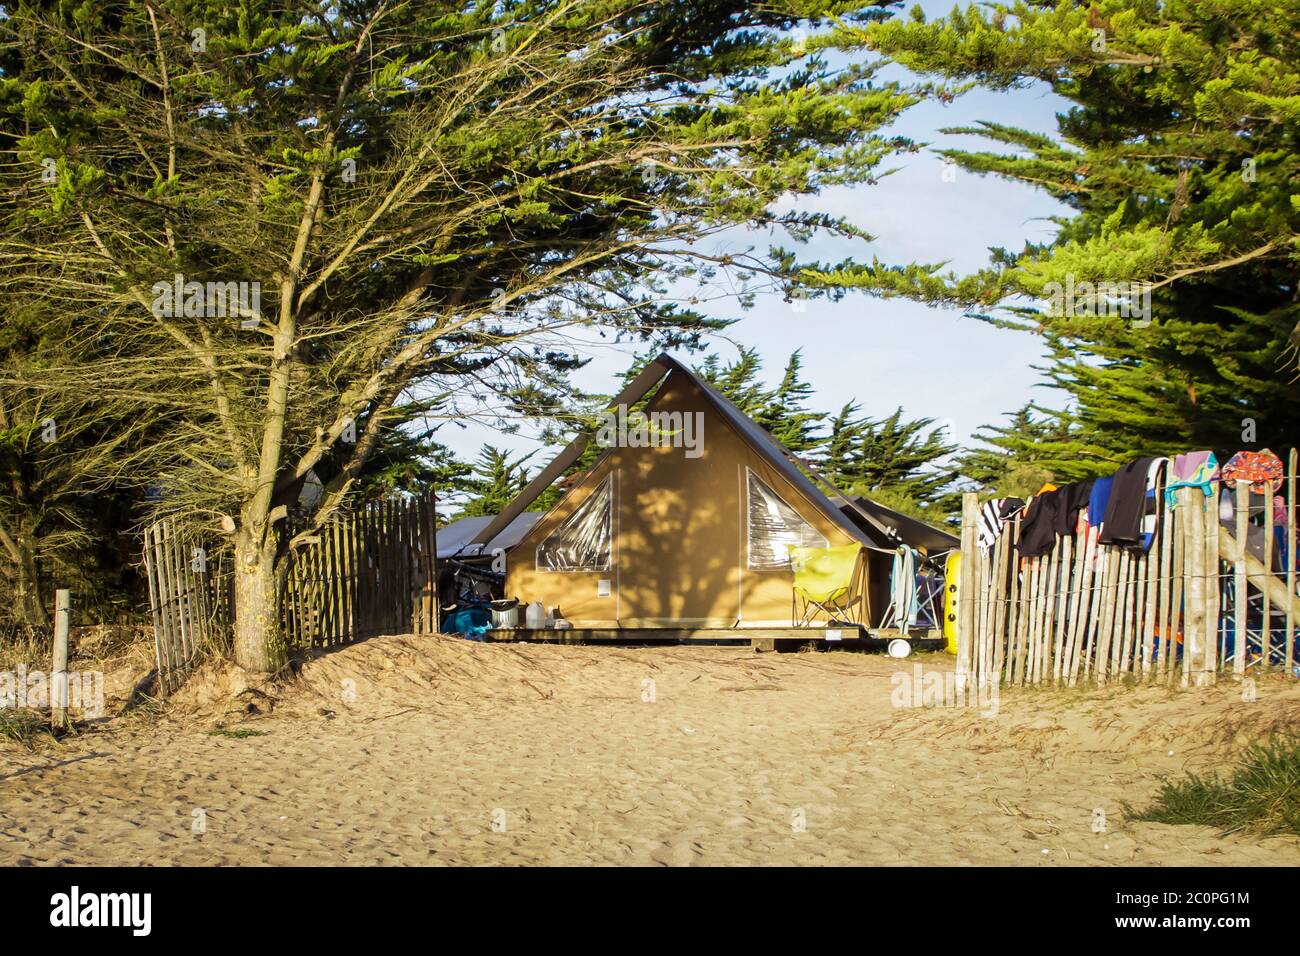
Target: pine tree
[[739, 380], [891, 458], [1178, 161], [67, 510], [497, 479], [784, 413], [1036, 446], [839, 452], [782, 410], [894, 460]]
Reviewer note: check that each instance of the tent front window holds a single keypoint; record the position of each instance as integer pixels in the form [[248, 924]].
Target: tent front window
[[773, 526], [584, 541]]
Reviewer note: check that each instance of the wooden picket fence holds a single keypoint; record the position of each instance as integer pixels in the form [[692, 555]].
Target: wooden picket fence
[[190, 597], [1194, 605], [367, 572]]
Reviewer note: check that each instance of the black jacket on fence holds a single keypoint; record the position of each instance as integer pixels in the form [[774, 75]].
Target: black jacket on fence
[[1124, 511], [1037, 527], [1050, 514], [1074, 498]]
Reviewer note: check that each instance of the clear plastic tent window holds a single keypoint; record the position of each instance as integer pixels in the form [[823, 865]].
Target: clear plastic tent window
[[773, 526], [582, 542]]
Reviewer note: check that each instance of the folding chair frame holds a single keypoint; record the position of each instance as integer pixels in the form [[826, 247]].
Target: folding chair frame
[[804, 609]]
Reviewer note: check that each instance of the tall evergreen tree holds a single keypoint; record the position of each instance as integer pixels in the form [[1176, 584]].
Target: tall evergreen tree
[[785, 414], [738, 380], [1178, 160], [898, 461], [67, 516], [496, 480], [781, 410], [892, 458], [1034, 447]]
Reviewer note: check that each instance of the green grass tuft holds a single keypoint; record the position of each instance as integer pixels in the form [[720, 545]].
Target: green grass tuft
[[236, 734], [25, 727], [1261, 796]]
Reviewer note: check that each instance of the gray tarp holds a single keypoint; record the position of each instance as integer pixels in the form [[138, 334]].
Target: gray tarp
[[908, 531], [455, 536]]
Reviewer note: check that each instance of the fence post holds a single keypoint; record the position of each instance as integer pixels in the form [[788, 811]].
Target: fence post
[[1213, 593], [1266, 619], [435, 608], [1239, 584], [970, 507], [1194, 634], [1290, 561], [59, 677]]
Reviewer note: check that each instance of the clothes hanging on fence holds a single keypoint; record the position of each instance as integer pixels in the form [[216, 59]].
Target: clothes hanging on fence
[[1038, 527], [1196, 469], [1151, 502], [1098, 500], [993, 517], [1127, 505], [1262, 470], [1074, 499], [1051, 513]]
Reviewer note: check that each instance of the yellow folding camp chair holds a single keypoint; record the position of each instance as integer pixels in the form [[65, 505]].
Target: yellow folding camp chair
[[825, 582]]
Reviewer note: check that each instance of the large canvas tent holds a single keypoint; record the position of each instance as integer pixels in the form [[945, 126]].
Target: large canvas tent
[[667, 536]]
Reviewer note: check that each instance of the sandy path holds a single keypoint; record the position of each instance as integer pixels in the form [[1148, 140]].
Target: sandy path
[[461, 753]]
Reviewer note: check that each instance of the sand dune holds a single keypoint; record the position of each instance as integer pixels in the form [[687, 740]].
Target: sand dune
[[412, 750]]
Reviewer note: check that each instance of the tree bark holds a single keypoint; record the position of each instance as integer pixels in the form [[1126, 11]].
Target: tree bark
[[29, 605], [258, 643]]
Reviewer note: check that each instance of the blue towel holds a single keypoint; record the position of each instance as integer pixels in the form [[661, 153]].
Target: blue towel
[[1098, 500]]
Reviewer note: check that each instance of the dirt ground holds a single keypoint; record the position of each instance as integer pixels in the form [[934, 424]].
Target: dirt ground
[[410, 750]]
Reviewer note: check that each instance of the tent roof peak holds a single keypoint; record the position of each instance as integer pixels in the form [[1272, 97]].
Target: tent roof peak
[[846, 513]]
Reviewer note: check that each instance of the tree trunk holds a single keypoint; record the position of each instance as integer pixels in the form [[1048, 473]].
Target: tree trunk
[[258, 643], [29, 607]]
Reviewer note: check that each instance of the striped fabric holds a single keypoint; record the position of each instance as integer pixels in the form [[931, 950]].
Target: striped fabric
[[993, 516]]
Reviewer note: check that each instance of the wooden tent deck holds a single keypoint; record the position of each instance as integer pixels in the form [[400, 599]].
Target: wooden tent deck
[[761, 638]]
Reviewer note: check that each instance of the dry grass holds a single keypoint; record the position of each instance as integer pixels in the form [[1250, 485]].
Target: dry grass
[[29, 729], [23, 645]]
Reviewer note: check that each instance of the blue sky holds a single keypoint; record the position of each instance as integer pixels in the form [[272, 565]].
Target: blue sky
[[885, 353]]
